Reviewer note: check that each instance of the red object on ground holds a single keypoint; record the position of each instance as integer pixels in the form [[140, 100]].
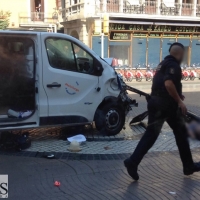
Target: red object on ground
[[57, 183]]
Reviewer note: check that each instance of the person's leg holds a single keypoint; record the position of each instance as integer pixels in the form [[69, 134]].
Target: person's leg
[[155, 123], [177, 123], [156, 119]]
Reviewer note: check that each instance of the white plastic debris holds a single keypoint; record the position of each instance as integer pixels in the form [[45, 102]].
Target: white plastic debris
[[74, 146], [173, 193], [79, 138]]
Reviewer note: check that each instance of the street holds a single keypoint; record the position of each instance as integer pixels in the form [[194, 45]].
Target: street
[[97, 171]]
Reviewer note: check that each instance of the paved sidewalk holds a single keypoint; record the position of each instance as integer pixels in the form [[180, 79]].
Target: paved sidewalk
[[160, 178]]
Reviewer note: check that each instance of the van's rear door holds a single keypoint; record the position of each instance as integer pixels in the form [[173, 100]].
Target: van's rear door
[[18, 100]]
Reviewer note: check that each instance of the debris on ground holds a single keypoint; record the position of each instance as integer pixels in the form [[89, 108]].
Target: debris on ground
[[107, 148], [57, 183], [173, 193], [74, 146], [78, 138]]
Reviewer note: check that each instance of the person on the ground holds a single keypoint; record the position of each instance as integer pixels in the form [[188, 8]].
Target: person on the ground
[[166, 104], [193, 130]]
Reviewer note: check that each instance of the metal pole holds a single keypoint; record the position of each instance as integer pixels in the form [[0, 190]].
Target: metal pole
[[55, 28], [161, 47], [102, 45], [147, 49], [190, 51], [102, 39]]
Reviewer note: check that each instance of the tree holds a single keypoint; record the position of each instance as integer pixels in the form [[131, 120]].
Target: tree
[[4, 19]]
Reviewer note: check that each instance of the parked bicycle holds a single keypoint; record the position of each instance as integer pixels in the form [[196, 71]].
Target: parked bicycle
[[127, 74], [148, 73], [185, 73], [193, 73], [138, 74]]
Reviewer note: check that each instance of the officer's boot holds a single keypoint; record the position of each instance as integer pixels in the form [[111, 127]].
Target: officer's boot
[[131, 169], [190, 170]]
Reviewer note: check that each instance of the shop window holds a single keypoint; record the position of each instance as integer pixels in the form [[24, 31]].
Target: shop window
[[121, 53], [195, 60], [153, 51], [186, 43], [139, 51]]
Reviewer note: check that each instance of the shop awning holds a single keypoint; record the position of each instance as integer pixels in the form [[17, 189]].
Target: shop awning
[[153, 23]]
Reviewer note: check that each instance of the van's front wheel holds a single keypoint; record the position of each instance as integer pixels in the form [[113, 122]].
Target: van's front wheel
[[110, 119]]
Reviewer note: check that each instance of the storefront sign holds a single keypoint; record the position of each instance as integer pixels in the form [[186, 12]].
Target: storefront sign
[[120, 36], [158, 28]]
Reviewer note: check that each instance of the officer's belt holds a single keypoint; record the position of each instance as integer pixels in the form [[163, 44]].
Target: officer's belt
[[160, 93]]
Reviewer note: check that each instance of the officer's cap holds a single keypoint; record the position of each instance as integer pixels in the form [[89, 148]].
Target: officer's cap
[[177, 44]]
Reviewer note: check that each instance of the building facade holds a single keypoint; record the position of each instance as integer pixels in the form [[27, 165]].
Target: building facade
[[42, 15], [140, 31]]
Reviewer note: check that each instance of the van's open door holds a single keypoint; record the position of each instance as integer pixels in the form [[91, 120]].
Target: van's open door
[[18, 105]]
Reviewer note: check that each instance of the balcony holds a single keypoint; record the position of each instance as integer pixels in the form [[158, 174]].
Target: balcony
[[76, 11], [148, 7], [186, 9], [37, 18], [85, 9]]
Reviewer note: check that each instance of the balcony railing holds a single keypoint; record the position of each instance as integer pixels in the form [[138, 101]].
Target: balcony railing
[[147, 7], [172, 10], [186, 9], [37, 18], [198, 11]]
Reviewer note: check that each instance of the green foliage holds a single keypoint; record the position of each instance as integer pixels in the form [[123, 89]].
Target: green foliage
[[4, 19]]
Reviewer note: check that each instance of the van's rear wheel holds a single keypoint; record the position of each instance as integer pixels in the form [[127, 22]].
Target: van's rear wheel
[[110, 119]]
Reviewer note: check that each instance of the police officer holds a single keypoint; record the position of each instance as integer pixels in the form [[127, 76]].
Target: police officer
[[166, 104]]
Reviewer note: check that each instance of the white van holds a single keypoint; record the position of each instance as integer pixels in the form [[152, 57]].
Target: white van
[[49, 79]]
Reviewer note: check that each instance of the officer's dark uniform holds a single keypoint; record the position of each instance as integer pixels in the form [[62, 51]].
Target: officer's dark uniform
[[161, 108]]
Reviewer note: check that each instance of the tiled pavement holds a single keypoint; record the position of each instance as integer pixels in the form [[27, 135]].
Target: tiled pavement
[[160, 178]]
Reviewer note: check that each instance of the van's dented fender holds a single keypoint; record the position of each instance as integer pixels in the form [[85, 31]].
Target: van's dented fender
[[114, 100]]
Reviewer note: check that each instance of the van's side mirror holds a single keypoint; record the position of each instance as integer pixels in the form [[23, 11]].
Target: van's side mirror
[[98, 68]]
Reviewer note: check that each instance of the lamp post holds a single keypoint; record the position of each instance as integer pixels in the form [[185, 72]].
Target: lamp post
[[102, 38]]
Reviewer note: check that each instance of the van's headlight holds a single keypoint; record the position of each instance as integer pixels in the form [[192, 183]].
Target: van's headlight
[[114, 84]]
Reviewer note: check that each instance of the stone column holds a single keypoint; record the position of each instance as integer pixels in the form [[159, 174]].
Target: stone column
[[194, 8], [179, 7], [104, 6], [158, 3], [83, 36], [121, 6]]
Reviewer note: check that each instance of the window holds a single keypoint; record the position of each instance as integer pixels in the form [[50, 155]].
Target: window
[[61, 54], [84, 61], [64, 55]]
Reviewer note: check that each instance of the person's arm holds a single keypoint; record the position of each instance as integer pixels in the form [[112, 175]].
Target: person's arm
[[170, 87]]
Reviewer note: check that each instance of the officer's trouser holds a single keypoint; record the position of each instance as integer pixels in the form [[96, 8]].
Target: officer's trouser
[[161, 110]]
